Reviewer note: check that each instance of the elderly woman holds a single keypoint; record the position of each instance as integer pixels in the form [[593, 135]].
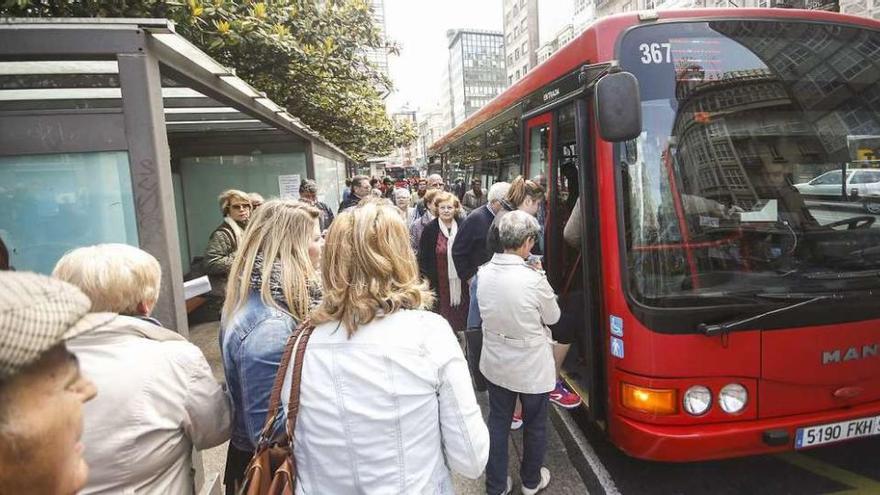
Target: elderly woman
[[527, 196], [517, 303], [273, 285], [420, 222], [436, 263], [157, 397], [386, 403], [401, 199], [236, 208]]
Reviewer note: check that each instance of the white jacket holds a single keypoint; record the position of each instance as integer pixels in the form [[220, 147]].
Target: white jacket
[[516, 304], [157, 399], [387, 410]]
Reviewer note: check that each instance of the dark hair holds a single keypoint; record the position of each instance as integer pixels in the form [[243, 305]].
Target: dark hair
[[308, 185], [4, 256], [520, 189], [357, 179]]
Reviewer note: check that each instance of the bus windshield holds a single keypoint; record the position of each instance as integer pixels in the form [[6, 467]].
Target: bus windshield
[[757, 170]]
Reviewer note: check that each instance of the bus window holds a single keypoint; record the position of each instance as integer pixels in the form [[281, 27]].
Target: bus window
[[565, 193], [538, 153], [539, 143]]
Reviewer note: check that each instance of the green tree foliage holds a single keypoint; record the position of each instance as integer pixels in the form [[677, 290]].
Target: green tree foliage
[[306, 55]]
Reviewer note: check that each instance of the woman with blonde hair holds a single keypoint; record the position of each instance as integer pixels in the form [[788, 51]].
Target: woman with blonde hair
[[236, 208], [435, 261], [385, 399], [273, 284]]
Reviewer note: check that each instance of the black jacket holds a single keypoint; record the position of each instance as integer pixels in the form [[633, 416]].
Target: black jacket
[[469, 251], [427, 255], [348, 203]]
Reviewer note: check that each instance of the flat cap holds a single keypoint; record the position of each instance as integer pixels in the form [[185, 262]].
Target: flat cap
[[36, 314]]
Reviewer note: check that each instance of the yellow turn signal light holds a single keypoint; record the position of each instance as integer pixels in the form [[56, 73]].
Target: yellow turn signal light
[[649, 400]]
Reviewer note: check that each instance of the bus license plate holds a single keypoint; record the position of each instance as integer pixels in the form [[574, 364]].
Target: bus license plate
[[835, 432]]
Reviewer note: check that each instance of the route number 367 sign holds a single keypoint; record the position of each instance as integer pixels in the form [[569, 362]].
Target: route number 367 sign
[[656, 53]]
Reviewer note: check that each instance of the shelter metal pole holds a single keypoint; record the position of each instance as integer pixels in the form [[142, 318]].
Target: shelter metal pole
[[150, 164]]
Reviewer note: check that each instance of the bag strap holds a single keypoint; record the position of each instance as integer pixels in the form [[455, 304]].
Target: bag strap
[[295, 381], [275, 395]]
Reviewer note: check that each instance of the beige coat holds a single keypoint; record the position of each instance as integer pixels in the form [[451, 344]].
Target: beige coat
[[517, 303], [157, 399]]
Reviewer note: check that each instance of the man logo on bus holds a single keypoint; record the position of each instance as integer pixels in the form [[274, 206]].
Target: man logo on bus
[[851, 354]]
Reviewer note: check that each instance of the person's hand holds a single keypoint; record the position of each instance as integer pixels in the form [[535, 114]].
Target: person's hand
[[534, 262]]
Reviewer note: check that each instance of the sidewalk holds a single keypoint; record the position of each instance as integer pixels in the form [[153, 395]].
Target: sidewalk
[[565, 479]]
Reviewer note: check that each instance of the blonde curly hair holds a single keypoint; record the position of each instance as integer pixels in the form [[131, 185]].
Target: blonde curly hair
[[369, 269]]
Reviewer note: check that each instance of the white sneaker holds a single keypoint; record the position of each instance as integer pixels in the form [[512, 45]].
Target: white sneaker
[[516, 422], [545, 480]]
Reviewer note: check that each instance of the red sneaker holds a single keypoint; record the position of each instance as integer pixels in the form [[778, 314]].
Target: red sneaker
[[516, 423], [563, 397]]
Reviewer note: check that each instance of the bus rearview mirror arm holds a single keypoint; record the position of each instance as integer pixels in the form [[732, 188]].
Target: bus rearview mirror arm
[[618, 106]]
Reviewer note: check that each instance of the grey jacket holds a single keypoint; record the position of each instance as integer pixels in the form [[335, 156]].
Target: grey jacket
[[157, 400]]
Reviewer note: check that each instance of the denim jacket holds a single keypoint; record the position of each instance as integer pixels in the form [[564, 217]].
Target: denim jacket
[[252, 342]]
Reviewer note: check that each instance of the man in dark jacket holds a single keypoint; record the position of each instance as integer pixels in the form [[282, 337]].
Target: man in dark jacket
[[308, 194], [360, 188], [469, 251]]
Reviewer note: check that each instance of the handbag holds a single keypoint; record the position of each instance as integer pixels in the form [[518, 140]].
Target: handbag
[[272, 469]]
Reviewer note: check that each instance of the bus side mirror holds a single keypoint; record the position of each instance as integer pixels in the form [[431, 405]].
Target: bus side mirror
[[618, 107]]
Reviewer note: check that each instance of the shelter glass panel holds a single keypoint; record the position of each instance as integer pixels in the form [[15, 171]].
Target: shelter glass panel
[[205, 177], [63, 201]]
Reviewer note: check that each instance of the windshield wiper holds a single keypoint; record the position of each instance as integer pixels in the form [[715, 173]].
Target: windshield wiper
[[841, 275], [724, 327]]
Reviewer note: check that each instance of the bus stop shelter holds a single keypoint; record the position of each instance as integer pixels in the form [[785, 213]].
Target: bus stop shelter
[[120, 130]]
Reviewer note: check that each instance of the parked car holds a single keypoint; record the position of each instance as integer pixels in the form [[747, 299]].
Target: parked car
[[860, 183]]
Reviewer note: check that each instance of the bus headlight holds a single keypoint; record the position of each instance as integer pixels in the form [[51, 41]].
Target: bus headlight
[[733, 398], [697, 400]]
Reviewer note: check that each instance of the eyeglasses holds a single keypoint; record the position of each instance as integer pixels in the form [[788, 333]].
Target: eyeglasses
[[241, 206]]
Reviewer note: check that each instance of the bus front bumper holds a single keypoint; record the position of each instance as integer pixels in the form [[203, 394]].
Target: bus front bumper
[[722, 440]]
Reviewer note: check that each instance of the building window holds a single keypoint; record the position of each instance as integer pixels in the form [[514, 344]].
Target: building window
[[848, 63]]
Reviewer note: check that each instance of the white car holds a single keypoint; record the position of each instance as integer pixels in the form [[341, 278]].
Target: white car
[[860, 183]]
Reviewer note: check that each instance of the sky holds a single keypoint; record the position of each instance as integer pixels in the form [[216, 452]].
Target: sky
[[419, 27]]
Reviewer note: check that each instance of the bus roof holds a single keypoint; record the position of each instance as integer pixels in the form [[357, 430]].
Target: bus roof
[[601, 37]]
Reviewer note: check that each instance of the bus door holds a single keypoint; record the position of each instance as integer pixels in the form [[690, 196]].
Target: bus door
[[538, 157]]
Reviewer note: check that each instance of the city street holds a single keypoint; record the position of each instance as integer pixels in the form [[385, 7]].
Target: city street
[[850, 468]]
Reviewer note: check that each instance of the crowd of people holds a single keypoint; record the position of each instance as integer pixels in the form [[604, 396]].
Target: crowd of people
[[94, 389]]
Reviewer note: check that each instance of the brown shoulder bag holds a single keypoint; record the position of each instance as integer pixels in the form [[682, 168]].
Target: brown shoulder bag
[[272, 470]]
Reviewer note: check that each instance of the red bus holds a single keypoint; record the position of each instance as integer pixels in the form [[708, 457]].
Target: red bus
[[724, 313], [402, 175]]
